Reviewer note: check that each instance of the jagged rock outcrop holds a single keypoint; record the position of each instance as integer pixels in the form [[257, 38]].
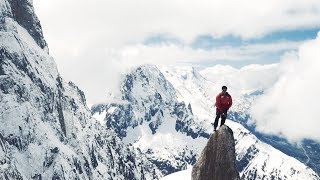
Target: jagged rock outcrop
[[218, 158]]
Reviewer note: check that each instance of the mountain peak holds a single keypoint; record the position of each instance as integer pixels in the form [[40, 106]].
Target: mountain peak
[[144, 81], [218, 159]]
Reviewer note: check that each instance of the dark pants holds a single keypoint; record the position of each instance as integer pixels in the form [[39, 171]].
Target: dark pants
[[218, 115]]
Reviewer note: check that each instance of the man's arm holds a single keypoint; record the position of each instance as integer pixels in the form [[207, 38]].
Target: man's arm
[[218, 104], [230, 102]]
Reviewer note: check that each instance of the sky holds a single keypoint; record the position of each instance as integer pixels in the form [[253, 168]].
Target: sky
[[95, 42]]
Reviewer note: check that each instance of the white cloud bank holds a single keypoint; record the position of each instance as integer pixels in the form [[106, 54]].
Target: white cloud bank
[[122, 21], [98, 70], [291, 107], [94, 41], [247, 79]]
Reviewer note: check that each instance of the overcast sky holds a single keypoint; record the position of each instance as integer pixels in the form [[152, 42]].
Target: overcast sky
[[94, 41]]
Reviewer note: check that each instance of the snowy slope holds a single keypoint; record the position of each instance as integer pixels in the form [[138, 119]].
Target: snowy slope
[[263, 161], [173, 149], [185, 175], [47, 131], [257, 160], [192, 88]]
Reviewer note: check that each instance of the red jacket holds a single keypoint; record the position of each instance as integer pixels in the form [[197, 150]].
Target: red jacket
[[223, 102]]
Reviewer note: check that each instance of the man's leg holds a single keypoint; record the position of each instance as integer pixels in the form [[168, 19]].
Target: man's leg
[[223, 118], [216, 121]]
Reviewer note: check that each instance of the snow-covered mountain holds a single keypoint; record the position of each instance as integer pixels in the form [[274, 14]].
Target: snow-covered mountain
[[47, 130], [167, 114], [151, 112]]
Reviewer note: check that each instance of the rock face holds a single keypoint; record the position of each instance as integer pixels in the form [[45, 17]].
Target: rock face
[[46, 128], [218, 159], [22, 12]]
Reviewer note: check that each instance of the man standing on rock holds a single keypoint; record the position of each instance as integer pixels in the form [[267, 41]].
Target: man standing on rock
[[223, 103]]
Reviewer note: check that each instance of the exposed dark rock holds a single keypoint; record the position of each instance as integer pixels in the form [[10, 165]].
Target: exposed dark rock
[[189, 108], [80, 92], [59, 83], [50, 157], [55, 150], [93, 158], [218, 158], [23, 13], [2, 72], [61, 118], [127, 87], [15, 141], [87, 167], [250, 154], [12, 174], [98, 108], [155, 124], [121, 118], [37, 177], [22, 63], [185, 120], [165, 166]]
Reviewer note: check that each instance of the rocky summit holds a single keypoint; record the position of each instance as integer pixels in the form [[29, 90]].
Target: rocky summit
[[218, 159]]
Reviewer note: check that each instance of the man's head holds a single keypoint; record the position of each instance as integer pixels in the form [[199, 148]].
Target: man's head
[[224, 89]]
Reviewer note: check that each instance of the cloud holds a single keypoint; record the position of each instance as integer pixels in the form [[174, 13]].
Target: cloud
[[247, 79], [290, 107], [94, 42], [120, 21], [99, 70], [175, 53]]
